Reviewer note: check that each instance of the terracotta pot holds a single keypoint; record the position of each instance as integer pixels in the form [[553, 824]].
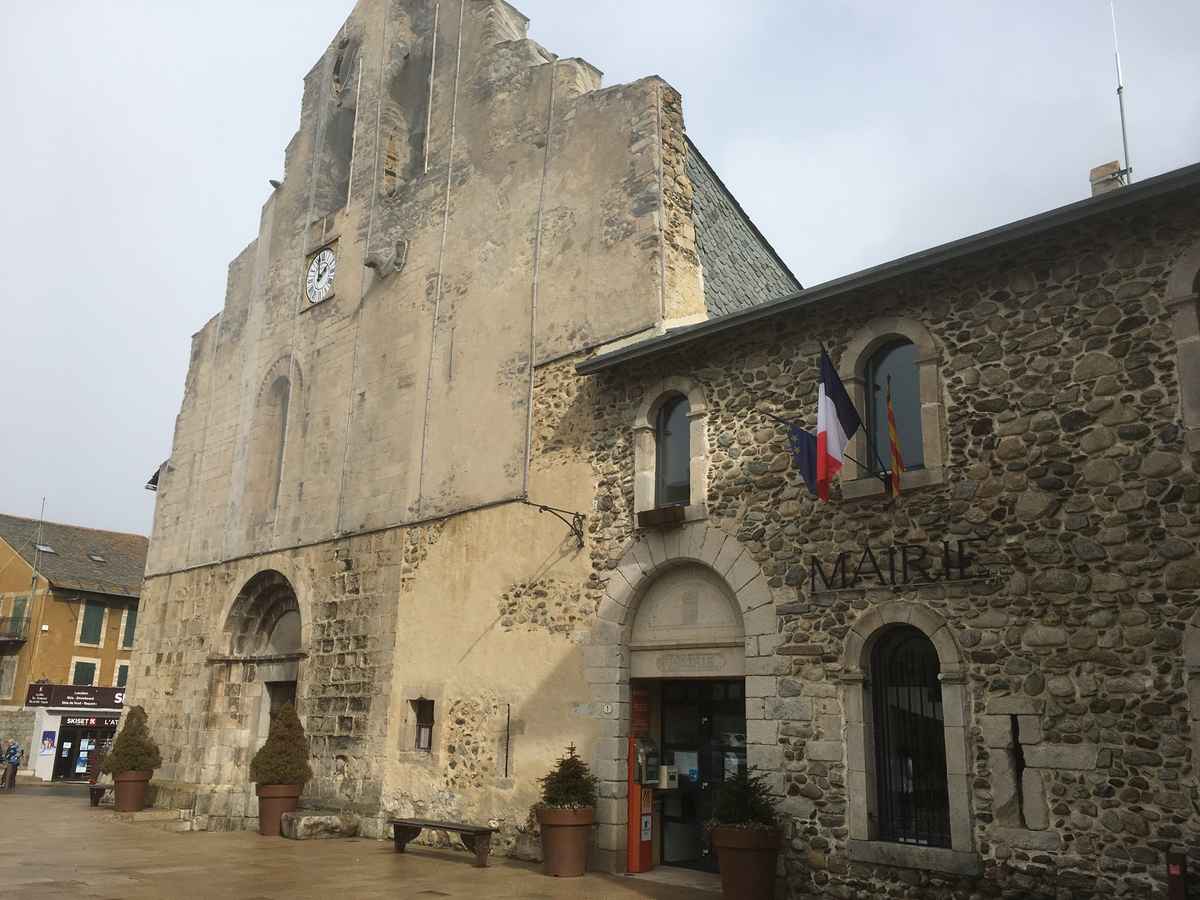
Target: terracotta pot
[[273, 801], [566, 840], [747, 858], [131, 790]]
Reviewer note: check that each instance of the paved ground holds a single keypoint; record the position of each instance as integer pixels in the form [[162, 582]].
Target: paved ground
[[55, 845]]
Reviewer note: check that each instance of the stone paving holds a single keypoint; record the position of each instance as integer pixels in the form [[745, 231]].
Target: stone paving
[[55, 845]]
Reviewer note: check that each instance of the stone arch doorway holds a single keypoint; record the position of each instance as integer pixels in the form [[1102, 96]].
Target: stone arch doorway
[[264, 639], [682, 653]]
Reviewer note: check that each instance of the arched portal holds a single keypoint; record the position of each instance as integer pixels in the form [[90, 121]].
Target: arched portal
[[681, 657], [264, 636]]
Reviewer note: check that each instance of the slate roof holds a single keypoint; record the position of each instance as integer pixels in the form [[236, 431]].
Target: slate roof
[[71, 565], [741, 268], [1177, 181]]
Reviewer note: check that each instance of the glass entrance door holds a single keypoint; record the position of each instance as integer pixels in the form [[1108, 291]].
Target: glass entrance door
[[75, 747], [704, 737]]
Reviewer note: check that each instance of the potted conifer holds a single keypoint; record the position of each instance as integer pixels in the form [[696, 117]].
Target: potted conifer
[[280, 769], [565, 814], [745, 835], [132, 760]]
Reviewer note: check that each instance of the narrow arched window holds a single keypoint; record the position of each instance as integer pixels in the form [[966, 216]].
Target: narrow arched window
[[894, 363], [673, 455], [264, 467], [281, 392], [912, 795]]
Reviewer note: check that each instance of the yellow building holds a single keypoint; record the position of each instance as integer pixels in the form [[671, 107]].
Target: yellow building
[[68, 616]]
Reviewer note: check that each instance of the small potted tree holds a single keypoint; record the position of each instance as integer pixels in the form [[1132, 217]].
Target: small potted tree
[[565, 814], [280, 769], [132, 760], [745, 835]]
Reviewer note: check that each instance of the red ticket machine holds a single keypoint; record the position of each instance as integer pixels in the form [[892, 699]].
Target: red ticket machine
[[643, 778]]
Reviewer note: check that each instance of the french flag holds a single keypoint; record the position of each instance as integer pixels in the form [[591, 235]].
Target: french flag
[[837, 420]]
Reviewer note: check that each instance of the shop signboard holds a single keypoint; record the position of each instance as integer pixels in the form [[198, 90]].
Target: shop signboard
[[92, 721], [75, 696]]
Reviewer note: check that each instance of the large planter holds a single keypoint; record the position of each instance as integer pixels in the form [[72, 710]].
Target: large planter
[[747, 857], [131, 790], [273, 801], [566, 840]]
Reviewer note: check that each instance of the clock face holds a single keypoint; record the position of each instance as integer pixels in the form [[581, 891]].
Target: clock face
[[318, 284]]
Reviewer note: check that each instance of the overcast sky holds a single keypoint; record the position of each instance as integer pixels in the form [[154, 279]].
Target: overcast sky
[[139, 136]]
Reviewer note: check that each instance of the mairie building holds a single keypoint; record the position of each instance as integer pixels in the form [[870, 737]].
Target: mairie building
[[488, 453]]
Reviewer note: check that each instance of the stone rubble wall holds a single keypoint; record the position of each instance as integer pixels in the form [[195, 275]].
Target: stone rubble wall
[[1064, 449]]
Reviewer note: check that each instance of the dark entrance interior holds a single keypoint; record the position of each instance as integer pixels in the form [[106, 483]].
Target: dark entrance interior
[[704, 736], [76, 745], [281, 694]]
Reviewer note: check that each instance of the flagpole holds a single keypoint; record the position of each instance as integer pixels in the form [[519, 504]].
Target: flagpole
[[788, 424]]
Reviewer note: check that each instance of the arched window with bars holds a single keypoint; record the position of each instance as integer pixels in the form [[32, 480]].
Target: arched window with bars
[[912, 796]]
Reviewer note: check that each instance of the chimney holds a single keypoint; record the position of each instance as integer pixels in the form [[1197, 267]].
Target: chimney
[[1107, 177]]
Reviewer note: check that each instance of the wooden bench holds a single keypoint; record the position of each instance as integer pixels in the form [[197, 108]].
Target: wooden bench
[[476, 838]]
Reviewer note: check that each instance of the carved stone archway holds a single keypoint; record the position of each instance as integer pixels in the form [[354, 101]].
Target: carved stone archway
[[263, 641], [609, 652]]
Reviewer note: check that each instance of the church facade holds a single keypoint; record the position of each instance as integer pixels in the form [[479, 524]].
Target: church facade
[[483, 457]]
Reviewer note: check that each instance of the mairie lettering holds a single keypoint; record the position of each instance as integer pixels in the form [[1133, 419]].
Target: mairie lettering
[[895, 566]]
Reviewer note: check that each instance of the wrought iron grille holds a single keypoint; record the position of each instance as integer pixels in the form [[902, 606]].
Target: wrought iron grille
[[910, 746]]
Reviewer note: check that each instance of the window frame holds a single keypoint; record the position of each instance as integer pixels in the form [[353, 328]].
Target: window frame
[[645, 446], [878, 455], [121, 664], [421, 726], [888, 828], [1183, 302], [84, 605], [863, 842], [662, 458], [124, 624], [406, 746], [1191, 674], [75, 660], [15, 656], [858, 480]]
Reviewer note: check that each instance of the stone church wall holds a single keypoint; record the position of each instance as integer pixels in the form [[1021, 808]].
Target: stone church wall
[[490, 207], [387, 618]]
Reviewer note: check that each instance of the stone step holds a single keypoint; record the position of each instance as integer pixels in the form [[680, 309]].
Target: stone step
[[154, 815]]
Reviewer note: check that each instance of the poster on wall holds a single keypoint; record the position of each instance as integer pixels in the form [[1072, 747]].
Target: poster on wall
[[688, 763], [81, 763], [48, 743]]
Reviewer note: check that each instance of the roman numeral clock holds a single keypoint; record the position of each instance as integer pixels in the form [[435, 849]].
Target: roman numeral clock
[[318, 280]]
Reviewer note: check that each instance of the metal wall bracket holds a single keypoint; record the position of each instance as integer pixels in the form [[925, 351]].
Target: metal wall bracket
[[575, 523]]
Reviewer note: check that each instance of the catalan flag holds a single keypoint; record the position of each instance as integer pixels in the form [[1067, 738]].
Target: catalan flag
[[897, 461]]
